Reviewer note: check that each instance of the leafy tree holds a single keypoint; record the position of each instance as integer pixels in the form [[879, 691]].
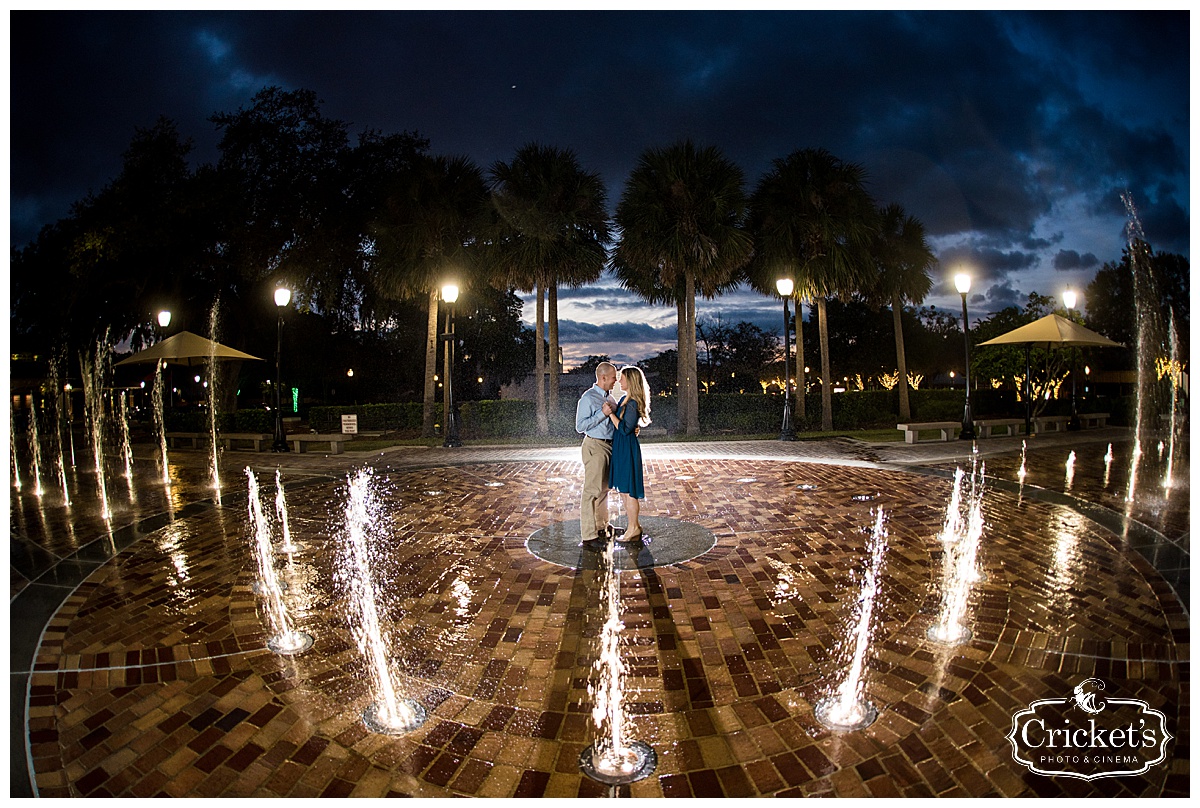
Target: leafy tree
[[426, 235], [812, 216], [903, 260], [680, 219], [588, 366], [553, 225], [1112, 306]]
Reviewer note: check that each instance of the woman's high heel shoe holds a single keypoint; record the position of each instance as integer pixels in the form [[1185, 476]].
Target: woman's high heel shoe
[[629, 538]]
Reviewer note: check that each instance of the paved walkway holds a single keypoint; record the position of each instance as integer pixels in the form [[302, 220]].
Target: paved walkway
[[138, 665]]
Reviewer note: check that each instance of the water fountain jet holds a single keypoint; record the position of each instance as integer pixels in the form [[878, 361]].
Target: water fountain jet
[[612, 759], [281, 514], [388, 714], [160, 420], [960, 568], [285, 638], [848, 709]]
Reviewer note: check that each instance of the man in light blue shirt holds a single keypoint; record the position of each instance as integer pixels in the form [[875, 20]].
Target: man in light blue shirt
[[591, 418]]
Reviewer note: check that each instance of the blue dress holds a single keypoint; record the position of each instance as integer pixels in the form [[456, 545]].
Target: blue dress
[[625, 471]]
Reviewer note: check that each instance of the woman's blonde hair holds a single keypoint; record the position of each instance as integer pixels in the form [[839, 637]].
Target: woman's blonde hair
[[633, 382]]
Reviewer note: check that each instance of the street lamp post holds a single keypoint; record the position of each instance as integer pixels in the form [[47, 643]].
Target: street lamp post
[[787, 431], [164, 320], [449, 295], [1069, 299], [962, 282], [283, 296]]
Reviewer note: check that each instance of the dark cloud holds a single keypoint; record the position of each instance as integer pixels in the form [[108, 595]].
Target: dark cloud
[[1069, 259], [987, 126]]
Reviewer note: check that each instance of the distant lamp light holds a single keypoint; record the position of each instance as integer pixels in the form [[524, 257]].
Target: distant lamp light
[[283, 296], [784, 287], [196, 378], [962, 282], [164, 318], [350, 372], [1069, 299], [952, 374], [450, 292], [479, 379], [143, 385]]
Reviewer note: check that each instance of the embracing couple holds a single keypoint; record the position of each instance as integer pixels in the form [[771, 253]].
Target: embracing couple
[[612, 456]]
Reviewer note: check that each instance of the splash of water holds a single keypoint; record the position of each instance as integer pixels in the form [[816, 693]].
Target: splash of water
[[1108, 459], [56, 385], [94, 370], [126, 447], [960, 567], [1021, 471], [12, 446], [35, 450], [160, 421], [1070, 479], [610, 753], [1173, 375], [952, 525], [1147, 305], [284, 639], [389, 713], [847, 708], [281, 513], [214, 461]]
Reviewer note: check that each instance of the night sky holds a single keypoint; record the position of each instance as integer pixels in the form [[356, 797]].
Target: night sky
[[1010, 135]]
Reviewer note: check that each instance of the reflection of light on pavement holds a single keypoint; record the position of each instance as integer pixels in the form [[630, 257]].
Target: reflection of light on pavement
[[460, 590], [1064, 568], [785, 584], [170, 544]]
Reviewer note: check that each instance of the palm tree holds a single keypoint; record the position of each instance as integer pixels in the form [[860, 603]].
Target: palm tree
[[552, 228], [903, 259], [680, 219], [812, 215], [426, 236]]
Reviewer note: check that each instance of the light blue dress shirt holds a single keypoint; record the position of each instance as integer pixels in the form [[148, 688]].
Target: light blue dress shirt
[[589, 417]]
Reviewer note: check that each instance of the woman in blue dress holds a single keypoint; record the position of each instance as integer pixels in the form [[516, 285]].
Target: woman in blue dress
[[625, 470]]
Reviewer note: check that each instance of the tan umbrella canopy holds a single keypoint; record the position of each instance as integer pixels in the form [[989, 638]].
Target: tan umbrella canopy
[[186, 348], [1049, 332], [1053, 331]]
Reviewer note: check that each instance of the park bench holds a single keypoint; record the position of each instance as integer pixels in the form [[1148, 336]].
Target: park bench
[[237, 440], [946, 429], [1050, 423], [336, 441], [1093, 420], [190, 439], [986, 427]]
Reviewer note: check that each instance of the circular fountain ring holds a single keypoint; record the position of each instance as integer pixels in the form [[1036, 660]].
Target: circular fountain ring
[[646, 761], [417, 716], [300, 642], [667, 541], [826, 712]]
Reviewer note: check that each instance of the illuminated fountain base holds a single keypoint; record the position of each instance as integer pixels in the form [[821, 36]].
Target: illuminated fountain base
[[634, 762], [290, 644], [949, 635], [835, 715], [407, 716]]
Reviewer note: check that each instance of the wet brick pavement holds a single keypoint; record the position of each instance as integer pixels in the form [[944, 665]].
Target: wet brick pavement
[[139, 666]]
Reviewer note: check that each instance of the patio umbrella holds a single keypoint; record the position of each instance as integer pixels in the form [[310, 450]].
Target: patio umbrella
[[1049, 332], [1053, 331], [186, 348]]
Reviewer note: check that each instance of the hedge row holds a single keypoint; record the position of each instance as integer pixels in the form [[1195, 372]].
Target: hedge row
[[719, 413]]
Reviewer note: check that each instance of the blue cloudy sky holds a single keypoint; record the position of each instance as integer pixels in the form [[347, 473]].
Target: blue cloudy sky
[[1009, 134]]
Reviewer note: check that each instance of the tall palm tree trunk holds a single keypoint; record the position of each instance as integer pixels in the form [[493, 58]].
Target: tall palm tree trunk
[[901, 364], [693, 392], [681, 407], [555, 369], [801, 382], [431, 333], [826, 370], [539, 362]]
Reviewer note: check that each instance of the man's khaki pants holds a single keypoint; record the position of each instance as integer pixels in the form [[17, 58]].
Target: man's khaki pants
[[596, 456]]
